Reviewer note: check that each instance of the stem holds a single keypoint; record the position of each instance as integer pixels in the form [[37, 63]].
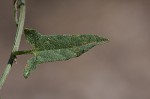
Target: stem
[[16, 11], [23, 52], [21, 7]]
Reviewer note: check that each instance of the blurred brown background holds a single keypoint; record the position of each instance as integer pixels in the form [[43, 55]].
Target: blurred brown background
[[119, 69]]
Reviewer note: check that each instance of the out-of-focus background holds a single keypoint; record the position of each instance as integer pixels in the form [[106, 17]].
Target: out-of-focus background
[[119, 69]]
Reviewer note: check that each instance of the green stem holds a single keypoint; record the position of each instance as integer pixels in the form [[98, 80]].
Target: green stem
[[21, 7], [16, 11], [23, 52]]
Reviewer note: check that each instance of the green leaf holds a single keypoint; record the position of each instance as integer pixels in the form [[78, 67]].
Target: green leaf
[[50, 48]]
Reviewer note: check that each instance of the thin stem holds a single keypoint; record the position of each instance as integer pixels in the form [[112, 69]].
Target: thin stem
[[16, 11], [23, 52], [21, 7]]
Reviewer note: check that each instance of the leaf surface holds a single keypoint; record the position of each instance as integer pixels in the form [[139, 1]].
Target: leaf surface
[[50, 48]]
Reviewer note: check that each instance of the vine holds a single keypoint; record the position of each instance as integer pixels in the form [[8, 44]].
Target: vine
[[45, 48]]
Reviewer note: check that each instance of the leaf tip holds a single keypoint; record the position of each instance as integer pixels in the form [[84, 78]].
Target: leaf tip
[[102, 39], [26, 72]]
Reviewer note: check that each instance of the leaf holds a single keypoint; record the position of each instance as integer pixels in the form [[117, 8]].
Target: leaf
[[50, 48]]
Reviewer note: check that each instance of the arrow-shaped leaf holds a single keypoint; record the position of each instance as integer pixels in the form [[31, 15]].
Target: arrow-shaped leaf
[[49, 48]]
